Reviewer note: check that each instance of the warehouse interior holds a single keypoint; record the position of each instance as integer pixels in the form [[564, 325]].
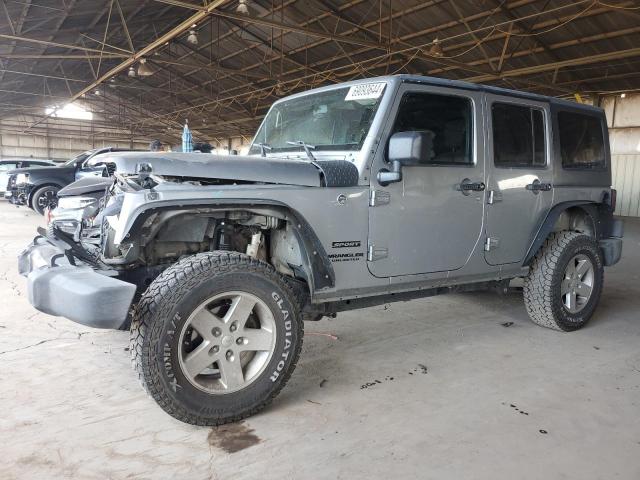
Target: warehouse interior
[[78, 75]]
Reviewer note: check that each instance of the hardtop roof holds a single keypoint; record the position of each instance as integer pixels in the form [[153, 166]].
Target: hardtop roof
[[419, 79]]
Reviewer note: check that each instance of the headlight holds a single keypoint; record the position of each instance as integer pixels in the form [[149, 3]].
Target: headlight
[[22, 178], [74, 203]]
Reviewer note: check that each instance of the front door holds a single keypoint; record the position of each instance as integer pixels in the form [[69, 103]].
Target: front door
[[519, 179], [432, 220]]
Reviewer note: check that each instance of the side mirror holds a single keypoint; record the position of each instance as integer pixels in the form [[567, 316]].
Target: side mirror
[[406, 149]]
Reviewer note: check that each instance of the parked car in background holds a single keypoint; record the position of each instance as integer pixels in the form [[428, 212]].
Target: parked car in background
[[8, 164], [38, 187]]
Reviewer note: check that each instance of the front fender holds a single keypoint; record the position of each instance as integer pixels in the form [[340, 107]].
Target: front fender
[[318, 266]]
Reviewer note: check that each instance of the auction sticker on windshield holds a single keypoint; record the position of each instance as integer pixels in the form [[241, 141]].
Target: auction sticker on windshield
[[365, 91]]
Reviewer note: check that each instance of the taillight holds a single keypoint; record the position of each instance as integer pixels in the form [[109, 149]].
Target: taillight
[[614, 199], [47, 215]]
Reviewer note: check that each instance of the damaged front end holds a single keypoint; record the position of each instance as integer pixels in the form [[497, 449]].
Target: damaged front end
[[98, 256]]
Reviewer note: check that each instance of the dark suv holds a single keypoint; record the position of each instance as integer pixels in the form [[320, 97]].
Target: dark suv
[[37, 187], [7, 165]]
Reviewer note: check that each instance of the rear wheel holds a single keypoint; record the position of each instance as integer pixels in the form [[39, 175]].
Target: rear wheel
[[564, 283], [216, 337], [45, 197]]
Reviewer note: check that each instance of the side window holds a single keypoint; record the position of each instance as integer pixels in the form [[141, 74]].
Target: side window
[[581, 141], [450, 118], [4, 167], [518, 136]]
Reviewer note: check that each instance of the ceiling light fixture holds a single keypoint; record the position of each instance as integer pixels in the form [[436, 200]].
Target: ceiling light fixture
[[132, 71], [436, 48], [623, 95], [279, 90], [143, 69], [193, 37], [242, 7]]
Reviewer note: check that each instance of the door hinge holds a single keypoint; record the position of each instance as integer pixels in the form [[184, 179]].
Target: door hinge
[[494, 196], [491, 243], [379, 197], [376, 253]]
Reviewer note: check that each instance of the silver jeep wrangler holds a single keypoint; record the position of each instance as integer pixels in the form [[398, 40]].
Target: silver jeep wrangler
[[352, 195]]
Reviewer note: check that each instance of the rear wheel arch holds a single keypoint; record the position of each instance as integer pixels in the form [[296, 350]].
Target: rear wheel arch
[[577, 216]]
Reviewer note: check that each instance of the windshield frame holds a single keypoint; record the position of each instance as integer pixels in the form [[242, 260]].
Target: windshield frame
[[82, 157], [255, 149]]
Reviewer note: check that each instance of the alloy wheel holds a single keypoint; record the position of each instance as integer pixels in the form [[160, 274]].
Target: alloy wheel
[[227, 342], [577, 283]]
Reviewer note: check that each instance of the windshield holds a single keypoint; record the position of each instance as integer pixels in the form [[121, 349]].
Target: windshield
[[79, 159], [335, 120]]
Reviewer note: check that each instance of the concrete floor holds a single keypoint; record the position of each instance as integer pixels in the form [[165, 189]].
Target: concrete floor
[[437, 388]]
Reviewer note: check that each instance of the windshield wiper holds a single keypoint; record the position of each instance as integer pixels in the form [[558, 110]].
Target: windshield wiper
[[307, 148], [264, 148]]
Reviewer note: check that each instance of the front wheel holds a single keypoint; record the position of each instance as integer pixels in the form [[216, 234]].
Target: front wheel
[[565, 281], [216, 337], [45, 197]]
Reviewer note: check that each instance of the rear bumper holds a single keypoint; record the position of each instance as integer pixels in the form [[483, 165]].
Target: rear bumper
[[612, 246], [78, 292]]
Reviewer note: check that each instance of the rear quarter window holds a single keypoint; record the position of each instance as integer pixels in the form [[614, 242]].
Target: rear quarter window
[[581, 141]]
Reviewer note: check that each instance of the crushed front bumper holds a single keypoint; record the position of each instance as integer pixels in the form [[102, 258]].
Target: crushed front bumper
[[18, 195], [60, 284]]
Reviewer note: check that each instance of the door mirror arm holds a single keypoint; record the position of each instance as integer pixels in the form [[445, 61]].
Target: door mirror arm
[[386, 176]]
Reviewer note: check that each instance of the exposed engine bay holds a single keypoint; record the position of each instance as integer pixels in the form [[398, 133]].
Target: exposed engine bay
[[163, 237]]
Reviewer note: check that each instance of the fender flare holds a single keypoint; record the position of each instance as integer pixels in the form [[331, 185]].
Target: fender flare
[[317, 261], [591, 209]]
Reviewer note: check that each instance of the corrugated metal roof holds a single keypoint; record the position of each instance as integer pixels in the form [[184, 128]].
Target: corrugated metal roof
[[241, 64]]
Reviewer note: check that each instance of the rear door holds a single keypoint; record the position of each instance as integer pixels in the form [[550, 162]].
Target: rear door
[[519, 181], [427, 223]]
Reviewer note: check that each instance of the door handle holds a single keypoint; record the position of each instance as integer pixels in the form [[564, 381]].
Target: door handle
[[467, 186], [537, 186]]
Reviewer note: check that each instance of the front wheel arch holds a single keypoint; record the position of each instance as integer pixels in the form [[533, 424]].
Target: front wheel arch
[[34, 194], [318, 267]]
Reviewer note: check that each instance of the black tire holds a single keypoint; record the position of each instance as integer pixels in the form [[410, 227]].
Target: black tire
[[542, 287], [161, 315], [44, 197]]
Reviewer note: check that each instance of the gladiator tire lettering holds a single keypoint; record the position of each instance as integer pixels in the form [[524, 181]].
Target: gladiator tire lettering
[[287, 340]]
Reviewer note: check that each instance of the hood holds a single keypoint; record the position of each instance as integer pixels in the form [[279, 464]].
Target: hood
[[85, 186], [41, 169], [223, 167]]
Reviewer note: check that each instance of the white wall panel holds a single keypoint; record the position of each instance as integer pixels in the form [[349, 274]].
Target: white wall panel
[[626, 180]]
